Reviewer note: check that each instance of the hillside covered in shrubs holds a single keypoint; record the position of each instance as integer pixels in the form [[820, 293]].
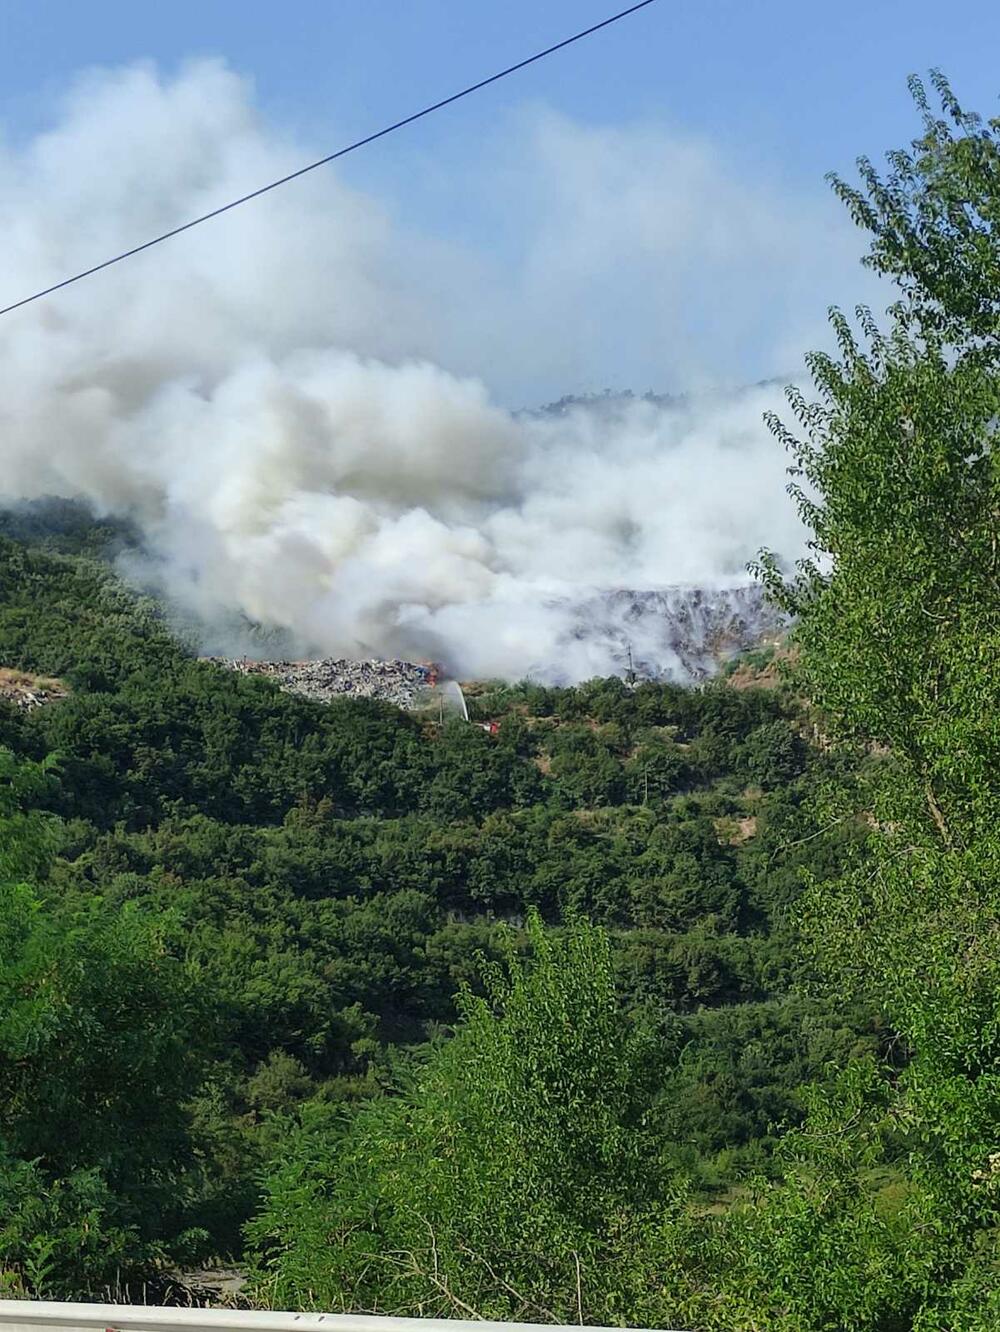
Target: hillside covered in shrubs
[[320, 884]]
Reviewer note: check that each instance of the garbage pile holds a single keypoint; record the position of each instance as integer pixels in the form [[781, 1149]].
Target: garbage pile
[[29, 691], [403, 683], [678, 633]]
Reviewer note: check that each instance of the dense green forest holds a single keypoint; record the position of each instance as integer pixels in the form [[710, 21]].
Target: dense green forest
[[284, 907], [663, 1006]]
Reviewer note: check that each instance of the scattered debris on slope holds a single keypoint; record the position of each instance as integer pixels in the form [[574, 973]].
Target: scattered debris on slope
[[208, 1288], [29, 691], [675, 633], [736, 831], [760, 668], [403, 683]]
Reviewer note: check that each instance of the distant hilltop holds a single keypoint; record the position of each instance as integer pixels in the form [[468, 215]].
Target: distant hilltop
[[616, 400]]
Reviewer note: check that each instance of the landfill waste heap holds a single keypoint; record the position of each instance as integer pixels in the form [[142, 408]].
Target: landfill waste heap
[[403, 683], [27, 691]]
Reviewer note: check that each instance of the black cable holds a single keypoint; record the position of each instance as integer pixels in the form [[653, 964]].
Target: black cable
[[331, 157]]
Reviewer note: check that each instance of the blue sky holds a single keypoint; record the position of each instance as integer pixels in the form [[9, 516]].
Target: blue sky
[[806, 85], [775, 93]]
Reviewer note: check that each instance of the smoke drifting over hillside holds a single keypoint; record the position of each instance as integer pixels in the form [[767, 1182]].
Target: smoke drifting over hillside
[[264, 398]]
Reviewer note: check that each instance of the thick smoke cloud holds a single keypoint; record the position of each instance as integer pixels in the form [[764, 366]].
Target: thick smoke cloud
[[265, 394]]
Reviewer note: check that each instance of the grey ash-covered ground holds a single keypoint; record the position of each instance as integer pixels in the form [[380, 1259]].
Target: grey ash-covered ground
[[678, 633]]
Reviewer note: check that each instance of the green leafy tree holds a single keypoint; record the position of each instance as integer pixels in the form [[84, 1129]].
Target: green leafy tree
[[773, 755], [100, 1032], [514, 1177], [656, 770], [898, 635]]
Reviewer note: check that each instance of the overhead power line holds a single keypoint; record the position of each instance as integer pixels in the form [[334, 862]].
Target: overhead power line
[[331, 157]]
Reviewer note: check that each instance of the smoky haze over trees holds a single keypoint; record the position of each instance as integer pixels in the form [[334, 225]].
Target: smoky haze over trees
[[300, 431]]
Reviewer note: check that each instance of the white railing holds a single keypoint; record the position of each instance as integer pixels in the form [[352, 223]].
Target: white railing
[[29, 1315]]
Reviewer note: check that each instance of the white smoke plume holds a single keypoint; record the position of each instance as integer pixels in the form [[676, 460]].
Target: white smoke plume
[[265, 397]]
